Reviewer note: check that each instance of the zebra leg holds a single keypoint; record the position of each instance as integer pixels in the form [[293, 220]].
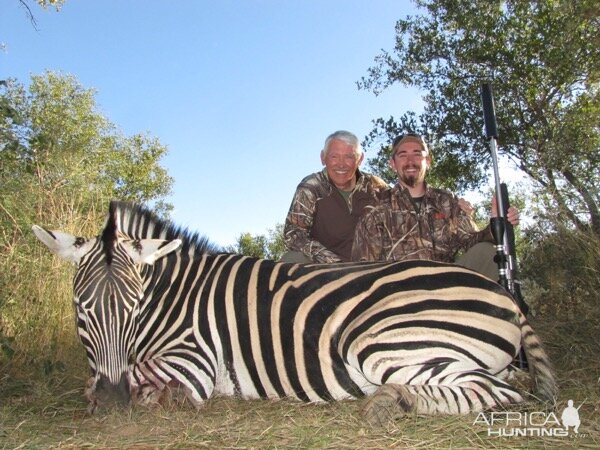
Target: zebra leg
[[455, 393], [150, 395], [388, 403], [157, 382]]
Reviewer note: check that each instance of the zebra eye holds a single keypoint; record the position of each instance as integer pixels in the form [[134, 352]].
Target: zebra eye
[[79, 241], [78, 308], [137, 245]]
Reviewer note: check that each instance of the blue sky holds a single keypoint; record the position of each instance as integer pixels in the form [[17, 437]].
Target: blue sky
[[242, 92]]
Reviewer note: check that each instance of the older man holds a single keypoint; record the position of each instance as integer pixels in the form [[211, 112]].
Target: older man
[[416, 221], [327, 205]]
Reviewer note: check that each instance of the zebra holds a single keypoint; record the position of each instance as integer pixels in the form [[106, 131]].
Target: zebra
[[161, 311]]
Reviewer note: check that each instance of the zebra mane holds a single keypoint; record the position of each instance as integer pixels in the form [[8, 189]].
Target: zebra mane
[[109, 234], [139, 222]]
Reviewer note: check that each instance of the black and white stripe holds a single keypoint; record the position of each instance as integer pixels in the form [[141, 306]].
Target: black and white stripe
[[419, 335]]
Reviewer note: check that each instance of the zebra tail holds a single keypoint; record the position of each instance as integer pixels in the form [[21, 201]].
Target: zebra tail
[[540, 368]]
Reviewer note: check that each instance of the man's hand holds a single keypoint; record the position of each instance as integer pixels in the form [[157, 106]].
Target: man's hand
[[512, 214], [466, 206]]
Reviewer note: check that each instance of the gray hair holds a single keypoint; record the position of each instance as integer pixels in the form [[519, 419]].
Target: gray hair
[[344, 136]]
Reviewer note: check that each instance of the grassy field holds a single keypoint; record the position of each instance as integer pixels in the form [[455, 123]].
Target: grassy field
[[50, 412]]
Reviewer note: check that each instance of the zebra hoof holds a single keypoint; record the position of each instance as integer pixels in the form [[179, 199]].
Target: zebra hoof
[[148, 396], [390, 402]]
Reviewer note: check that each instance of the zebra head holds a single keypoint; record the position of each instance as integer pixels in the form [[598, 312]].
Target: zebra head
[[108, 293]]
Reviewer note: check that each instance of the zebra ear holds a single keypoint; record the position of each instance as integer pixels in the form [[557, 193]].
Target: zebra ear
[[67, 246], [147, 251]]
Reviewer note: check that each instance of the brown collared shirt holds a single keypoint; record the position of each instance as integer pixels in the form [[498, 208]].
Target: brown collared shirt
[[321, 221]]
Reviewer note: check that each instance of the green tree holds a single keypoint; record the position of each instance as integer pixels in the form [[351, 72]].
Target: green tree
[[45, 3], [543, 59], [57, 146], [270, 246], [56, 4], [61, 161]]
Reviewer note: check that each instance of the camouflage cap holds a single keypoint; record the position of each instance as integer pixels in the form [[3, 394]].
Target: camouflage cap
[[410, 137]]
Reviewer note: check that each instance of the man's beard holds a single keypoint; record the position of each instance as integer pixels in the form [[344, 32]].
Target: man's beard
[[412, 180]]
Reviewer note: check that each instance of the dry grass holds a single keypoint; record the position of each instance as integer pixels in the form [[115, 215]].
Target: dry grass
[[51, 413], [231, 423]]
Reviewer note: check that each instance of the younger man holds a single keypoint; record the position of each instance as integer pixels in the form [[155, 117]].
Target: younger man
[[416, 221]]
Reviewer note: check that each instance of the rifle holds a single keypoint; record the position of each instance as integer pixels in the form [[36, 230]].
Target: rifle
[[503, 231], [506, 256]]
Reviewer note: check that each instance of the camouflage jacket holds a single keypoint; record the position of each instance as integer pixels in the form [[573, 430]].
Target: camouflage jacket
[[396, 230], [320, 222]]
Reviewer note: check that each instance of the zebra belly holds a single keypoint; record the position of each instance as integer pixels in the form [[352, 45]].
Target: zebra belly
[[314, 376], [411, 339]]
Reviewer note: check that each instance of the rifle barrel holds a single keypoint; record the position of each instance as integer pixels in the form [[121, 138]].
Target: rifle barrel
[[489, 113]]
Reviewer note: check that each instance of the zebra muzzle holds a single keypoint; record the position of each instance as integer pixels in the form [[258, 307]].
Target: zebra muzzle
[[108, 395]]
